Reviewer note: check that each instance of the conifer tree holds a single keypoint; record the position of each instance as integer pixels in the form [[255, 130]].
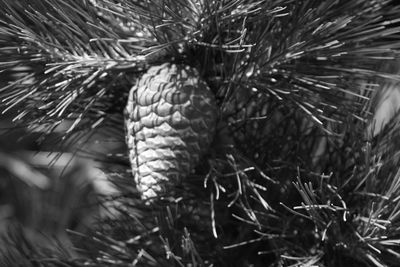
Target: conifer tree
[[243, 130]]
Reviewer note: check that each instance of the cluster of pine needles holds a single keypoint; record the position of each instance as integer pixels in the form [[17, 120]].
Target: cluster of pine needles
[[298, 174]]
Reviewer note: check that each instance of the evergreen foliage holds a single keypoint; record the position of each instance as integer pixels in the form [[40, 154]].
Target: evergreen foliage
[[294, 177]]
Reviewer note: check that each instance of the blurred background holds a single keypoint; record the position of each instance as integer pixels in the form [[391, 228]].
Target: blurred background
[[46, 192]]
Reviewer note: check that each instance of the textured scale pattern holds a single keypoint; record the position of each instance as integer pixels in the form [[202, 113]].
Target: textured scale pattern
[[170, 121]]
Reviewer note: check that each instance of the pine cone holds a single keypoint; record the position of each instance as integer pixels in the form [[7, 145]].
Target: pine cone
[[170, 121]]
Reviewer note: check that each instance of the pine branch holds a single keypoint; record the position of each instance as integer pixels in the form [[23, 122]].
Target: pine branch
[[287, 74], [79, 51], [321, 54], [73, 61]]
